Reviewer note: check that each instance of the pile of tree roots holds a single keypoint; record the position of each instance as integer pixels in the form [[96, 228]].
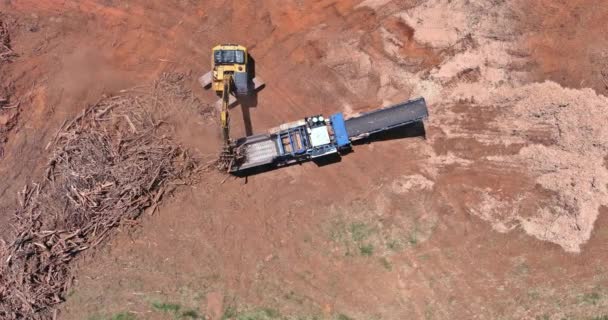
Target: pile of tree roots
[[6, 51], [108, 166]]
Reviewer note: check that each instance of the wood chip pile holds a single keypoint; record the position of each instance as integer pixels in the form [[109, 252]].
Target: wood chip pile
[[108, 165]]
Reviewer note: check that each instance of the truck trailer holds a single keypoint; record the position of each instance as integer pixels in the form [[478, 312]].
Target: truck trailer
[[317, 137]]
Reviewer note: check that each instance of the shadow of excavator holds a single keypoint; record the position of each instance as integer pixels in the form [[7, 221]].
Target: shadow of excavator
[[250, 101]]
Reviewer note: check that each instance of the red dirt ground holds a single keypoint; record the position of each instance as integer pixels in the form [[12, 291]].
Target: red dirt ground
[[297, 240], [569, 43]]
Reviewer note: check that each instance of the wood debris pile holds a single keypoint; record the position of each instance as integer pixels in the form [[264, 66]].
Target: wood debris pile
[[6, 51], [109, 165]]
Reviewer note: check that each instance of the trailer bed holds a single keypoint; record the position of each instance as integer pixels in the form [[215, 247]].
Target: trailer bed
[[259, 150]]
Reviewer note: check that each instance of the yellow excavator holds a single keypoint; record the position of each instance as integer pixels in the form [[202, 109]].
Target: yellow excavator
[[232, 76]]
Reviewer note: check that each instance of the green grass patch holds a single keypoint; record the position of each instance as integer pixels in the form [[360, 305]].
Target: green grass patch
[[118, 316], [176, 310], [521, 269], [413, 238], [424, 256], [166, 307], [533, 294], [373, 236], [591, 298], [264, 314], [429, 312], [191, 314], [359, 231], [356, 237], [338, 232], [294, 297], [259, 314], [123, 316], [343, 317], [229, 313], [366, 250], [393, 245], [386, 264]]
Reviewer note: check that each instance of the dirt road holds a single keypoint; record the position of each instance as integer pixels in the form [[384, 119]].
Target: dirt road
[[500, 213]]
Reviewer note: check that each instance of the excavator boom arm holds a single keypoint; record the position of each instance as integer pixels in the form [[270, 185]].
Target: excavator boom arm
[[224, 117]]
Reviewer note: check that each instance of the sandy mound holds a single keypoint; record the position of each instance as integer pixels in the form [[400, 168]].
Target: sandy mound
[[561, 131], [573, 167], [374, 4]]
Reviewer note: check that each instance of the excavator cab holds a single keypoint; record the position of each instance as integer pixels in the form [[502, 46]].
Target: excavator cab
[[230, 61], [223, 56]]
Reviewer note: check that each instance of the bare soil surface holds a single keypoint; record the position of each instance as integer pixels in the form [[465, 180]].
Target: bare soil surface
[[500, 212]]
